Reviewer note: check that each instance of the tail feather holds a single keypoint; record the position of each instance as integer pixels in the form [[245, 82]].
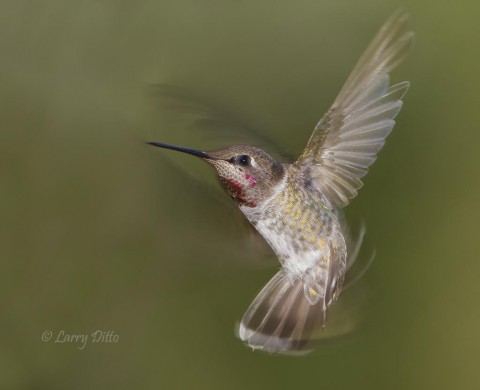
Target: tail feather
[[280, 319], [291, 312]]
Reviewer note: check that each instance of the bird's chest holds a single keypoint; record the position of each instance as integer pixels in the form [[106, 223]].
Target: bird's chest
[[298, 227]]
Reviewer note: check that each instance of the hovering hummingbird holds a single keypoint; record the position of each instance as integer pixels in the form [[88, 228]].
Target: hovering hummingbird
[[297, 207]]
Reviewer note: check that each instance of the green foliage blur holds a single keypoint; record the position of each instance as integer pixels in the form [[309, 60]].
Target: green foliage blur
[[102, 232]]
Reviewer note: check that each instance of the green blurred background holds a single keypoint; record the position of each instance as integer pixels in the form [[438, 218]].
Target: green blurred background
[[99, 231]]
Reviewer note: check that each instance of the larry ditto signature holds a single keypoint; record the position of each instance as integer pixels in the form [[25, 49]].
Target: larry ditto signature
[[81, 340]]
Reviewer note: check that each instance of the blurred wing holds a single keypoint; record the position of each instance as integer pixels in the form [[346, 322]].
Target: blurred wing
[[347, 139], [207, 125], [204, 125]]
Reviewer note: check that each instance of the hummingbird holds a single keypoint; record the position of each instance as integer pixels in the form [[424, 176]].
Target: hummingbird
[[297, 207]]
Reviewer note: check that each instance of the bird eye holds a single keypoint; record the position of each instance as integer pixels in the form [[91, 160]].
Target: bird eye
[[243, 160]]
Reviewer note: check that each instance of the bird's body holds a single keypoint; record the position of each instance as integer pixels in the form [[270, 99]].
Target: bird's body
[[296, 207], [303, 229], [301, 226]]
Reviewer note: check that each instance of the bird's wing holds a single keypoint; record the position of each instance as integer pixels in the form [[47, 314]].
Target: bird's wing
[[346, 140], [208, 124]]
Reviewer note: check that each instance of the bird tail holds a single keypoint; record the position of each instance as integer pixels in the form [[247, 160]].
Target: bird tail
[[281, 319]]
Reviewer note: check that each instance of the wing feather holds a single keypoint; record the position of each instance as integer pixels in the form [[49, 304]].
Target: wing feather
[[346, 140]]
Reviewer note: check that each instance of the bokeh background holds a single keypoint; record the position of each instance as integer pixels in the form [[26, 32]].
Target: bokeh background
[[101, 232]]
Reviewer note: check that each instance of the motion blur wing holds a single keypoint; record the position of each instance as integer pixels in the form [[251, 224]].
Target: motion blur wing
[[205, 125], [208, 125]]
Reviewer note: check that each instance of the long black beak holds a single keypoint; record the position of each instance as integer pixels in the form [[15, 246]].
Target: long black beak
[[193, 152]]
